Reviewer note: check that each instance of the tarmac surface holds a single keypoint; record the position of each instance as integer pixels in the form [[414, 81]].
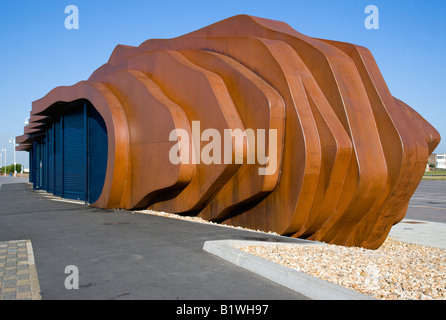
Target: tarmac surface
[[117, 254], [429, 202], [124, 255]]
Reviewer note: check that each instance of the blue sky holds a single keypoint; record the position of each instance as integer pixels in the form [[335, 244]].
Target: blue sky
[[38, 53]]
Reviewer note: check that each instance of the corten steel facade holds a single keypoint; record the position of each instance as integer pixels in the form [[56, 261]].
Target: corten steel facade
[[349, 154]]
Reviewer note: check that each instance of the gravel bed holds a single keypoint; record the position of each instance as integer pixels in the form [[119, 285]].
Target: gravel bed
[[197, 219], [396, 271]]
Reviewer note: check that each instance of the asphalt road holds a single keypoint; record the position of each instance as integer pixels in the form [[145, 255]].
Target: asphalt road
[[429, 202]]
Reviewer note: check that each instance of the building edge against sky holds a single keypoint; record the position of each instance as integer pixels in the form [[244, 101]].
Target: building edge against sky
[[407, 45]]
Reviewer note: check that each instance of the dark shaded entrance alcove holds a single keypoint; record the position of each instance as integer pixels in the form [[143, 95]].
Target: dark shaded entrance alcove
[[69, 156]]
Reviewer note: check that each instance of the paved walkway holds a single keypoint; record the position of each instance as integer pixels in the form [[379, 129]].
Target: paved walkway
[[18, 275]]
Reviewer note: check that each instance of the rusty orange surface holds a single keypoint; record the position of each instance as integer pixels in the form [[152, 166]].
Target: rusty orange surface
[[349, 154]]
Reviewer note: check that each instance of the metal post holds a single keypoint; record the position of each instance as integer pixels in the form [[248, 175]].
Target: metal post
[[12, 140], [4, 149]]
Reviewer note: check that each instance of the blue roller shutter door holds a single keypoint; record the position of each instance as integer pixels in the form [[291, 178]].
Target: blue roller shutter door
[[50, 165], [70, 160], [58, 158], [44, 181], [97, 154], [75, 154], [39, 161]]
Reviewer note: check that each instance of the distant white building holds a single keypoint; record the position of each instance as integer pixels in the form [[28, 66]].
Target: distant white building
[[440, 161]]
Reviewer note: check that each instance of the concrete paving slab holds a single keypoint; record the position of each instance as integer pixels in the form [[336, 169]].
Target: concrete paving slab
[[425, 233]]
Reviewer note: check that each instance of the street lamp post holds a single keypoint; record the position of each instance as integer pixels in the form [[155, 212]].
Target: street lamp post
[[12, 140], [4, 149]]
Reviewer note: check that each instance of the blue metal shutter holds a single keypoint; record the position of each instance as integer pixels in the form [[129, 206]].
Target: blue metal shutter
[[50, 160], [97, 154], [75, 154], [58, 158], [39, 175], [44, 162]]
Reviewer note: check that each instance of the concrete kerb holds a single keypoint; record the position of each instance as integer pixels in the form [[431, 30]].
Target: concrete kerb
[[312, 287], [33, 278]]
